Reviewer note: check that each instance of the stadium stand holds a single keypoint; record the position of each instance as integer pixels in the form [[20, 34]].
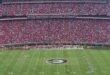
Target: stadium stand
[[55, 30], [54, 8], [78, 22]]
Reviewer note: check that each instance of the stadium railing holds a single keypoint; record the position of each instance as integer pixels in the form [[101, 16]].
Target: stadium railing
[[52, 1]]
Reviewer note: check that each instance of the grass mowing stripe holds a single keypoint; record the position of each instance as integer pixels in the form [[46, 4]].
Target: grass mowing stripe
[[3, 62], [66, 65], [59, 67], [9, 64], [105, 65], [42, 65], [82, 62], [37, 65], [31, 66], [72, 63], [79, 67], [22, 63], [62, 65], [75, 62], [44, 68], [70, 70], [15, 69], [91, 66], [30, 60], [51, 67], [95, 59], [12, 68]]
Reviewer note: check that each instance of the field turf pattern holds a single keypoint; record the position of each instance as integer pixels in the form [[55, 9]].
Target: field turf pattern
[[33, 62]]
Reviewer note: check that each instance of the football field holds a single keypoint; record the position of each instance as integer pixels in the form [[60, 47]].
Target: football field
[[35, 62]]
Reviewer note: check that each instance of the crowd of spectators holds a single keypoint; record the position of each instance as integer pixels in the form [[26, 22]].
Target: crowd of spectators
[[54, 8], [55, 30]]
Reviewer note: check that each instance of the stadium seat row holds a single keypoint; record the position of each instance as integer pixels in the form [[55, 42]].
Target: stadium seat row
[[54, 8], [55, 30]]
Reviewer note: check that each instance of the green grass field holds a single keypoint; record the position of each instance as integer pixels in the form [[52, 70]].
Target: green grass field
[[80, 62]]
